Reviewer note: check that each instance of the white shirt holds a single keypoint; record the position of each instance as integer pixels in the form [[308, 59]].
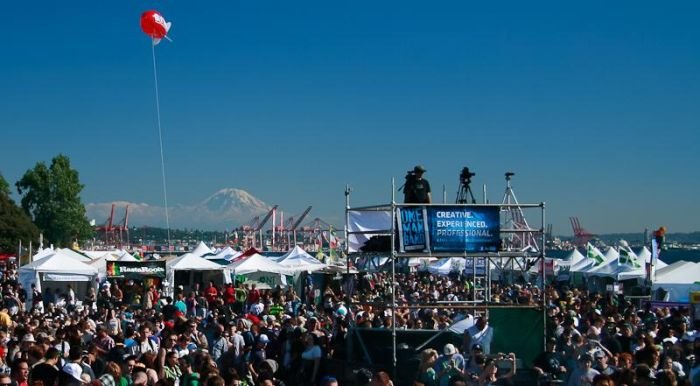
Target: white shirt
[[481, 337]]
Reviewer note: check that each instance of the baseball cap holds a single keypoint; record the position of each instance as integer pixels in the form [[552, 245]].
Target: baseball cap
[[263, 339], [74, 370], [449, 349]]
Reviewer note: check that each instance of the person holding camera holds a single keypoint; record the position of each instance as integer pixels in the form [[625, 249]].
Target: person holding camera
[[417, 189]]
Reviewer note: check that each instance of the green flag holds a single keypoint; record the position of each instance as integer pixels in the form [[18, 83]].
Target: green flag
[[593, 253], [627, 257]]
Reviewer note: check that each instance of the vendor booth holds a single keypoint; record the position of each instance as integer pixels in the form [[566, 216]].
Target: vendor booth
[[260, 268], [297, 260], [56, 271], [675, 282], [189, 268]]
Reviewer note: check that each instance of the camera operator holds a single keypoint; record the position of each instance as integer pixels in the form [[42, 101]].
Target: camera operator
[[417, 189]]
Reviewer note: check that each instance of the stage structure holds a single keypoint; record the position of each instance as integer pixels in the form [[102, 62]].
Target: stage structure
[[487, 236]]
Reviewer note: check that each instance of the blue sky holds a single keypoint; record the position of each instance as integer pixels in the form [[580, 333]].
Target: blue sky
[[594, 105]]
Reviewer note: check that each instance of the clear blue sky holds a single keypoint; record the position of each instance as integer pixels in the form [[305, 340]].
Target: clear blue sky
[[595, 105]]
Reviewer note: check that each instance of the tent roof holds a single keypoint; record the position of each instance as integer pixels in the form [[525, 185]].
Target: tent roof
[[644, 254], [126, 256], [684, 273], [43, 253], [610, 269], [201, 249], [611, 254], [60, 263], [298, 260], [227, 254], [572, 258], [257, 263], [192, 262]]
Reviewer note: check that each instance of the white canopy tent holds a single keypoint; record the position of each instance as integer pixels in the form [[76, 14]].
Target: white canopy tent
[[193, 267], [644, 254], [260, 268], [572, 258], [60, 271], [611, 254], [227, 254], [257, 263], [201, 249], [297, 260], [613, 269], [677, 282], [41, 253]]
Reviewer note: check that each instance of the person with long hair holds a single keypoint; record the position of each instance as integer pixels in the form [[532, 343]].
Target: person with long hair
[[426, 373], [112, 374]]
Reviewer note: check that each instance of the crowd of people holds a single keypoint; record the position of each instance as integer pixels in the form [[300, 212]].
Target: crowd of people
[[230, 335]]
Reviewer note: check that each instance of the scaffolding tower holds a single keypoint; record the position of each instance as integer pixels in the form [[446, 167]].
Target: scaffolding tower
[[522, 248]]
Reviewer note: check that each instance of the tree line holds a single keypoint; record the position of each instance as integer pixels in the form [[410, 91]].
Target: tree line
[[49, 204]]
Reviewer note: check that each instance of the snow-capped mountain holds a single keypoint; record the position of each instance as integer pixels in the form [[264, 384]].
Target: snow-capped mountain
[[224, 209]]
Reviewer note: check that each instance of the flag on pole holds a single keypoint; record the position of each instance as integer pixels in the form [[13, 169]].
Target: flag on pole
[[628, 257], [595, 254]]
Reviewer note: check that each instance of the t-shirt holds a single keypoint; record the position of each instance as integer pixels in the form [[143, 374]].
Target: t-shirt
[[582, 377], [417, 193], [45, 373]]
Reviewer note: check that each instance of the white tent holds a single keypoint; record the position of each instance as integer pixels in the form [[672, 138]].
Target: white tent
[[57, 268], [677, 282], [611, 254], [583, 265], [298, 260], [571, 259], [260, 268], [227, 254], [644, 254], [41, 253], [201, 249], [66, 253], [613, 269], [257, 263], [446, 265], [191, 263]]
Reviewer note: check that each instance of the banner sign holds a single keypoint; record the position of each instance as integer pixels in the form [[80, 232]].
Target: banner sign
[[135, 269], [457, 229], [464, 229], [412, 229]]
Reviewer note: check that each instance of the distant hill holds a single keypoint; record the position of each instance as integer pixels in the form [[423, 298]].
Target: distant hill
[[638, 237], [224, 209]]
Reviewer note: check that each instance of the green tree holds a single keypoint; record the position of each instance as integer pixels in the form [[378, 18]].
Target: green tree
[[51, 196], [15, 225]]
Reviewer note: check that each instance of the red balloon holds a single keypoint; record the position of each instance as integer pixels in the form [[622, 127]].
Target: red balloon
[[154, 25]]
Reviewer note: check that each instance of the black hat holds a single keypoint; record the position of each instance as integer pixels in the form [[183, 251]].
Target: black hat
[[419, 169]]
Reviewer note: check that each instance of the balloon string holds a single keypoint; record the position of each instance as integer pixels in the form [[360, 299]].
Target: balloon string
[[160, 138]]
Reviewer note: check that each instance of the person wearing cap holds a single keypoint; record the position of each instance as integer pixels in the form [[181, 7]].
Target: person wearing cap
[[602, 363], [450, 363], [417, 189], [71, 375]]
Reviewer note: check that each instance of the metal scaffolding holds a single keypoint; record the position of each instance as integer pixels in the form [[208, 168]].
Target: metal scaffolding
[[522, 248]]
